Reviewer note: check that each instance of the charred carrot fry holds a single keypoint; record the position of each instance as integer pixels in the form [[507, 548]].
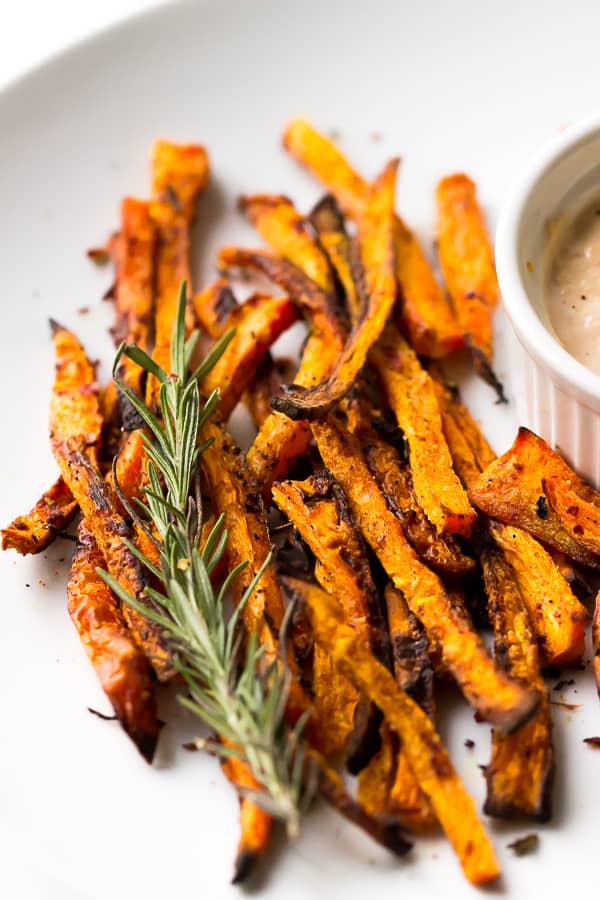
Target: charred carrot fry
[[134, 288], [411, 395], [213, 306], [180, 173], [557, 616], [375, 233], [120, 665], [255, 823], [258, 323], [470, 451], [75, 426], [306, 293], [428, 758], [391, 782], [511, 490], [426, 313], [440, 551], [34, 531], [289, 234], [269, 377], [328, 222], [496, 698], [520, 774], [319, 511], [281, 441], [467, 263]]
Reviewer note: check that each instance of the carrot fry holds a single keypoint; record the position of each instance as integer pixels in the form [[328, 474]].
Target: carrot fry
[[426, 312], [255, 823], [134, 290], [270, 375], [511, 490], [520, 773], [327, 220], [289, 234], [440, 551], [34, 531], [467, 263], [121, 667], [319, 511], [75, 426], [414, 674], [306, 293], [578, 516], [180, 173], [495, 697], [375, 231], [557, 616], [411, 395], [470, 451], [428, 758], [258, 323], [213, 306]]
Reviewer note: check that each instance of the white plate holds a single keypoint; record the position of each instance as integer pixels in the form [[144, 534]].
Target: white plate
[[467, 87]]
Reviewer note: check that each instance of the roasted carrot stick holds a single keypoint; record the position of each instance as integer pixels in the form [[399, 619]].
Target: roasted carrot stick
[[375, 237], [33, 532], [426, 313], [467, 263], [520, 773], [289, 234], [180, 173], [411, 395], [75, 426], [120, 665], [428, 758], [328, 222]]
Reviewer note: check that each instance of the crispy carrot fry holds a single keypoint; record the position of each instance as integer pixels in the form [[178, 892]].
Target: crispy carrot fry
[[578, 516], [319, 510], [519, 776], [428, 758], [387, 832], [179, 174], [512, 491], [120, 665], [411, 395], [440, 551], [289, 234], [426, 313], [34, 531], [414, 674], [255, 823], [496, 698], [557, 616], [134, 288], [467, 263], [281, 441], [375, 230], [375, 780], [270, 375], [328, 222], [470, 451], [311, 299], [258, 323], [213, 306], [75, 425]]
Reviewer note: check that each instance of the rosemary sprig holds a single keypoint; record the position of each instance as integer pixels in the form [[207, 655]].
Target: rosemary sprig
[[230, 687]]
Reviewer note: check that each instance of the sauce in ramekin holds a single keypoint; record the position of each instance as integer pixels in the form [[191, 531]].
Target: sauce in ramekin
[[573, 288]]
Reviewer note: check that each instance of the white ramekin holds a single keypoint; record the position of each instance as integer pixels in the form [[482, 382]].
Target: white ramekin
[[556, 396]]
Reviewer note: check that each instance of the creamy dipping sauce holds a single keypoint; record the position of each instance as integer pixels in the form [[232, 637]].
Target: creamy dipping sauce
[[573, 288]]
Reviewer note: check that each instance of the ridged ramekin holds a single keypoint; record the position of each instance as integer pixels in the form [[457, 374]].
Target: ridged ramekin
[[556, 396]]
